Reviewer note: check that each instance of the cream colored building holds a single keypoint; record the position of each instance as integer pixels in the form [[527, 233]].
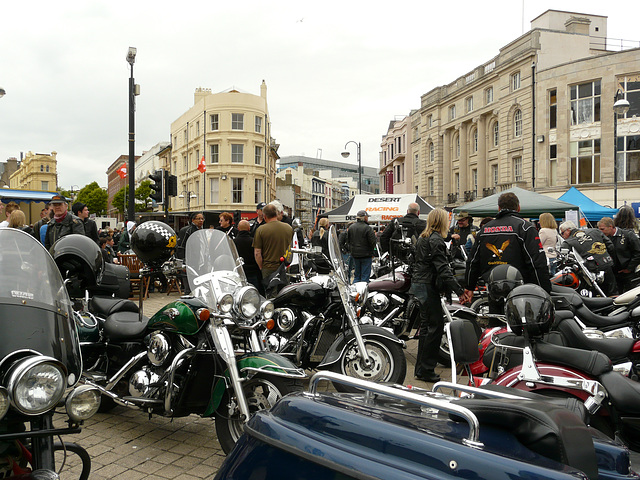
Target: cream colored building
[[37, 171], [398, 167], [538, 115], [232, 130]]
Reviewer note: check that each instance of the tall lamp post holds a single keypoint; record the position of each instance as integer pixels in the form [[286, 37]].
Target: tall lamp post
[[346, 154], [133, 91], [189, 195], [2, 92], [620, 107]]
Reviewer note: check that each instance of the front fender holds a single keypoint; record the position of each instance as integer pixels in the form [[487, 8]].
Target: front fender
[[249, 364], [338, 346]]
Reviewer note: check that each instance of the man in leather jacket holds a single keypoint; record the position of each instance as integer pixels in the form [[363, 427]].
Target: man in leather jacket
[[197, 220], [63, 222], [459, 233], [627, 252], [362, 241], [509, 239], [410, 223]]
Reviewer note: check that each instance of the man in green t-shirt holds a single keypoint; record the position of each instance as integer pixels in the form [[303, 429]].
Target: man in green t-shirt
[[271, 242]]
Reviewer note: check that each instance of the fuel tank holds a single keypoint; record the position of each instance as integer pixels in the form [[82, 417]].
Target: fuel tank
[[386, 283], [179, 316], [308, 295]]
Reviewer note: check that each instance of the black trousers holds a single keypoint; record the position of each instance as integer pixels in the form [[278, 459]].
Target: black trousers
[[431, 331]]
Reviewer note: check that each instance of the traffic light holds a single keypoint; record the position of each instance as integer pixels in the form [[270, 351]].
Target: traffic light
[[172, 185], [157, 186]]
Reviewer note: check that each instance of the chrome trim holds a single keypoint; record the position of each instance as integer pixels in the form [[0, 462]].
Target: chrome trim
[[125, 368]]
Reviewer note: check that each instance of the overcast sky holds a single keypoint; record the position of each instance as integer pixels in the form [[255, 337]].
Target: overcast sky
[[335, 70]]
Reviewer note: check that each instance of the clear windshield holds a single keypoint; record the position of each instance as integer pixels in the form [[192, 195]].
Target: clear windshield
[[336, 255], [28, 272], [212, 255]]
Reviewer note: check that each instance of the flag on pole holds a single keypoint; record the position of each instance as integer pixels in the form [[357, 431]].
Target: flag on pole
[[202, 166], [122, 171]]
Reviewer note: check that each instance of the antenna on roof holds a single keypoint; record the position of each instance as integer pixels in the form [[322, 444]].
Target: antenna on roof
[[319, 153]]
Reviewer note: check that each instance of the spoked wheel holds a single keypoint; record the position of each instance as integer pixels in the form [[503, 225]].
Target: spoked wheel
[[388, 363], [261, 393]]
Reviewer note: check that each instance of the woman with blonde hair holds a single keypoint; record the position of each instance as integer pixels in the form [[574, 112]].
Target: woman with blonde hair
[[549, 239], [432, 277], [320, 238], [18, 220]]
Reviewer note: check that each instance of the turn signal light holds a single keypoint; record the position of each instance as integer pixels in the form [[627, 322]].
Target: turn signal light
[[271, 323], [204, 314]]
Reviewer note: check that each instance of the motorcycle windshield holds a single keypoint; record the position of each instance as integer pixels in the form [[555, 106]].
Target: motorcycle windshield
[[208, 252], [336, 255], [37, 314]]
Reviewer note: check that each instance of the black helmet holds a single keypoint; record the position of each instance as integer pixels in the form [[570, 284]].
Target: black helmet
[[154, 242], [80, 260], [529, 308], [502, 280]]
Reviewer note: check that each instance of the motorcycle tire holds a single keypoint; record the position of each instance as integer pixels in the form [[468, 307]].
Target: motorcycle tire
[[63, 449], [261, 393], [389, 363], [481, 306]]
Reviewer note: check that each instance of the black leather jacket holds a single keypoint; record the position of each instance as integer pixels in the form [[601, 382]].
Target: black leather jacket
[[592, 243], [411, 223], [432, 265], [361, 240], [56, 230], [627, 249], [508, 239], [183, 236]]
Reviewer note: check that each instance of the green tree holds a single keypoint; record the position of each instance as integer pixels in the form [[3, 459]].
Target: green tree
[[95, 197], [142, 199]]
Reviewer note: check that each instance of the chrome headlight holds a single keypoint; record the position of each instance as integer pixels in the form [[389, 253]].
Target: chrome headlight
[[226, 303], [247, 302], [4, 402], [379, 302], [36, 384], [158, 348], [358, 293], [267, 309], [82, 403]]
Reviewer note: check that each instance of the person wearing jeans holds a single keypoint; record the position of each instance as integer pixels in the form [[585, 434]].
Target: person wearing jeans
[[362, 242]]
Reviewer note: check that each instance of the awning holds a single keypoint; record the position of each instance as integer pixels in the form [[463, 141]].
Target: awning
[[381, 208], [25, 196], [592, 211]]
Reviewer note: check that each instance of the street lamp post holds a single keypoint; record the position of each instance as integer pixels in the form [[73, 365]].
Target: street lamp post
[[131, 58], [346, 154], [620, 107], [2, 92], [190, 195]]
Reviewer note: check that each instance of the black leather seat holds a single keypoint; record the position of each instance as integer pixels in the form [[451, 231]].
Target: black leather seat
[[616, 349], [105, 306], [587, 361], [124, 326], [623, 393]]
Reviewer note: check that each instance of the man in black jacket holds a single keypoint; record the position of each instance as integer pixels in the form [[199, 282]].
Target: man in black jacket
[[410, 223], [244, 245], [197, 220], [627, 252], [459, 233], [63, 222], [81, 211], [362, 241], [509, 239]]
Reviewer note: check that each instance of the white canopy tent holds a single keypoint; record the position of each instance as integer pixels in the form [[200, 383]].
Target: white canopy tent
[[381, 208]]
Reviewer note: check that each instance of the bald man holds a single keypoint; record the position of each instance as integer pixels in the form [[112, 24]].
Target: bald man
[[410, 223], [243, 243]]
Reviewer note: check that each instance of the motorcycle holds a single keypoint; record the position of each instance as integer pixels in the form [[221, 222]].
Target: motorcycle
[[40, 363], [186, 359], [316, 326], [572, 272]]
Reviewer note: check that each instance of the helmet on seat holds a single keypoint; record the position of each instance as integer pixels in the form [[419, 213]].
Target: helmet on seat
[[502, 280], [529, 309], [80, 261], [154, 242]]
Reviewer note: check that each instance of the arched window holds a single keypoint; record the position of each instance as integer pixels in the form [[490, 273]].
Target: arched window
[[47, 168], [496, 134], [432, 153], [517, 123], [42, 168]]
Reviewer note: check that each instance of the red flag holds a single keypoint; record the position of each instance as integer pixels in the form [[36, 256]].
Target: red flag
[[202, 166], [122, 171]]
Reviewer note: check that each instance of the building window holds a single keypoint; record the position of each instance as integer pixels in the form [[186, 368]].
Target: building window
[[42, 168], [474, 182], [488, 95], [429, 121], [496, 134], [214, 189], [236, 190], [258, 191], [469, 104], [237, 121], [416, 163], [474, 141], [553, 108], [452, 112], [197, 157], [258, 155], [431, 186], [214, 121], [44, 185], [585, 161], [46, 169], [494, 175], [515, 81], [432, 152], [585, 103], [185, 165], [553, 165], [517, 123], [185, 135], [197, 128], [237, 153], [517, 169], [457, 146], [629, 158], [258, 126], [456, 183], [214, 153], [175, 141], [631, 88]]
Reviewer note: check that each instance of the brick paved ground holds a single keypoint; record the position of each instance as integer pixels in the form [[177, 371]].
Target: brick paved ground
[[125, 444]]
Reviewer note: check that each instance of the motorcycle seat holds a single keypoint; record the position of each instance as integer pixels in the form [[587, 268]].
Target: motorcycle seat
[[387, 284], [614, 348], [591, 319], [590, 362], [597, 303], [125, 326], [105, 306], [623, 392]]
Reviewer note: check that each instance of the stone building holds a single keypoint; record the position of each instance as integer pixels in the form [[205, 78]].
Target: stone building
[[398, 168], [37, 171], [231, 130], [538, 115]]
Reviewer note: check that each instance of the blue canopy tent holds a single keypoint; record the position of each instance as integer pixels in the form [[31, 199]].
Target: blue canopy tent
[[591, 210]]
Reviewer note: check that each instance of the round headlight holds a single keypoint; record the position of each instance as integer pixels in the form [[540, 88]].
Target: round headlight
[[36, 384], [267, 310], [82, 403], [226, 303], [247, 301], [358, 292], [4, 402]]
